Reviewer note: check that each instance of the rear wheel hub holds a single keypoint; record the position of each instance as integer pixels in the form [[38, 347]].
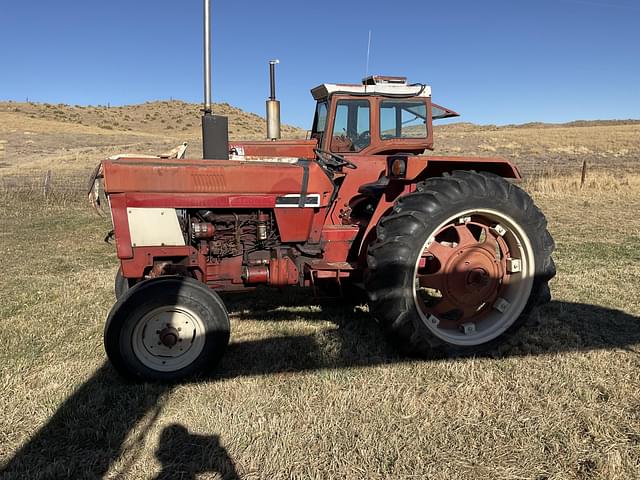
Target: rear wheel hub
[[471, 277]]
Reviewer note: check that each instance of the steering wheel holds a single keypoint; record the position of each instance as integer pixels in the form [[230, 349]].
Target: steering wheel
[[333, 159], [363, 140]]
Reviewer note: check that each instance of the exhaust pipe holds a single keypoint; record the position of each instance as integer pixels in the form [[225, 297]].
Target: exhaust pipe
[[215, 128], [207, 57], [273, 105]]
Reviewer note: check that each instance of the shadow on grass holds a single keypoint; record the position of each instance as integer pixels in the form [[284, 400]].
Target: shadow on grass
[[184, 455], [88, 433]]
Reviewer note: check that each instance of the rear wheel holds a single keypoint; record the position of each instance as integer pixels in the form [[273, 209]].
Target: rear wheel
[[166, 329], [458, 265]]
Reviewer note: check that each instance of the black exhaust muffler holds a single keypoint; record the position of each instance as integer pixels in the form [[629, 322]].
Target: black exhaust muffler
[[215, 128]]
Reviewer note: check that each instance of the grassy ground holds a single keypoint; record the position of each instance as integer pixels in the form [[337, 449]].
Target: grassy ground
[[308, 388]]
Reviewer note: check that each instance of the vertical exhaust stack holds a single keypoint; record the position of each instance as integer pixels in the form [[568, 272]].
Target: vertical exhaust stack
[[215, 128], [273, 105]]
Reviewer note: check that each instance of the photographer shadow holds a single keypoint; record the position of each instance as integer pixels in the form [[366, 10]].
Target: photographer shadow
[[184, 455]]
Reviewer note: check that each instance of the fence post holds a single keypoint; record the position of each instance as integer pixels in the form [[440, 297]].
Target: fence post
[[46, 186], [583, 178]]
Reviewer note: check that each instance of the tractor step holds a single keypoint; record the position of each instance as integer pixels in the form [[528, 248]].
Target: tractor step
[[320, 269], [320, 272]]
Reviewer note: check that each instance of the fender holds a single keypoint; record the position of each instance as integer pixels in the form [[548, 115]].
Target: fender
[[419, 168]]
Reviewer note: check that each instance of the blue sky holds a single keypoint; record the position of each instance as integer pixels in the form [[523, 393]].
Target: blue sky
[[494, 61]]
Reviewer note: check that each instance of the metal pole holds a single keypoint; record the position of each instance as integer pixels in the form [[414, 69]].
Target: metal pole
[[207, 57]]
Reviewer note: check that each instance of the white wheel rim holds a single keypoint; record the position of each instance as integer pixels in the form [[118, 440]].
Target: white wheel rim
[[156, 331], [513, 295]]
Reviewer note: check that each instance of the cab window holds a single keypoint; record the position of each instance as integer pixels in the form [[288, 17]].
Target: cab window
[[351, 127], [319, 121], [403, 119]]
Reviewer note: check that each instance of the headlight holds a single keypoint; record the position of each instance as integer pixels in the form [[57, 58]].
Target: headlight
[[398, 166]]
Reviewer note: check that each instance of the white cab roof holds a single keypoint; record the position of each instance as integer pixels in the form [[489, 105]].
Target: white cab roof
[[326, 89]]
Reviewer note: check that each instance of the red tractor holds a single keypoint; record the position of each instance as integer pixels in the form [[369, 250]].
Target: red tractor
[[452, 254]]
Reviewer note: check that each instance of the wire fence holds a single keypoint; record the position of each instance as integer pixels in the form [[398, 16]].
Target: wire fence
[[68, 185], [48, 185]]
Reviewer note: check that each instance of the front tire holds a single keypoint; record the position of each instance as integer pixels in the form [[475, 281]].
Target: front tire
[[166, 329], [121, 284], [458, 266]]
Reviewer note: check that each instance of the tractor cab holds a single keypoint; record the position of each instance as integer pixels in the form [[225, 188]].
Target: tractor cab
[[382, 116]]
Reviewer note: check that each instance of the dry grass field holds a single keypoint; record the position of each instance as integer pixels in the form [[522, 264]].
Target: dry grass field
[[308, 387], [37, 136], [554, 149]]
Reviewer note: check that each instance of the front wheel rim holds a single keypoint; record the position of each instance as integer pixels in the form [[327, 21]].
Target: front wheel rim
[[473, 277], [168, 338]]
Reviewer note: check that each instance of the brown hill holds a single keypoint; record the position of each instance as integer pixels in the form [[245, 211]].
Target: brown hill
[[160, 117], [37, 136], [34, 136]]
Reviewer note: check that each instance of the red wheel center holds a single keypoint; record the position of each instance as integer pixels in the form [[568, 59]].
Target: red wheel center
[[478, 277], [472, 277], [468, 272]]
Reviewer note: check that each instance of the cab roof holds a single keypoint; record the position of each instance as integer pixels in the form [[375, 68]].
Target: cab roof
[[374, 85]]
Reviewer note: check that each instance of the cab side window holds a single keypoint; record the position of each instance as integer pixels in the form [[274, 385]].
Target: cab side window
[[352, 125], [403, 119]]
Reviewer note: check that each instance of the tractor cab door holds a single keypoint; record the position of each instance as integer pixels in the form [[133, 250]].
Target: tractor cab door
[[351, 126], [344, 127]]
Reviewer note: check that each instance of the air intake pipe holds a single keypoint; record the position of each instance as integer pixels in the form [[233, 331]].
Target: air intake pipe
[[273, 105], [215, 128]]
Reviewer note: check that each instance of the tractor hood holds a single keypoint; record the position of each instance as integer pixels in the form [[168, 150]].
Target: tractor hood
[[277, 149], [244, 184]]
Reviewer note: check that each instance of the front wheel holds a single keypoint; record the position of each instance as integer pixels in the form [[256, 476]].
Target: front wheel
[[459, 265], [166, 329], [121, 284]]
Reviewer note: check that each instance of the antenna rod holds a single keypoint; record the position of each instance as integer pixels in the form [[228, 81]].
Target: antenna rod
[[207, 57], [368, 51]]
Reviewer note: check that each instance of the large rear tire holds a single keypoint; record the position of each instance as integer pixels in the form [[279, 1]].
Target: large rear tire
[[459, 265], [166, 329]]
